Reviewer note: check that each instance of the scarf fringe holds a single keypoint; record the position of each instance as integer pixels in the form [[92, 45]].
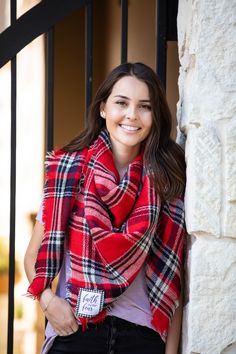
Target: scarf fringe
[[30, 296], [36, 288], [98, 318]]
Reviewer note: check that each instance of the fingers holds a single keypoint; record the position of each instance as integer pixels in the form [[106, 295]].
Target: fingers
[[75, 327], [64, 333], [63, 330], [73, 323], [67, 332], [70, 327]]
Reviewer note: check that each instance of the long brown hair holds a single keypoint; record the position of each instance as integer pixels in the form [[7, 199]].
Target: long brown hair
[[163, 158]]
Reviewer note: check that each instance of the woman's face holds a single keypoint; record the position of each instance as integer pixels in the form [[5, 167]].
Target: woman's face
[[128, 114]]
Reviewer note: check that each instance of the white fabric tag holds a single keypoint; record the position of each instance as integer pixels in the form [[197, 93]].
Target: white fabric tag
[[90, 302]]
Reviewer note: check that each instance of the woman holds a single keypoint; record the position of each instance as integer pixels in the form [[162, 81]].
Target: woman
[[113, 224]]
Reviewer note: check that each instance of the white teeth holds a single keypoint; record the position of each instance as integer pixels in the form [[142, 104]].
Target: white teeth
[[128, 127]]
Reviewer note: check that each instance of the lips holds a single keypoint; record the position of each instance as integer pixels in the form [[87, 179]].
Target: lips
[[129, 127]]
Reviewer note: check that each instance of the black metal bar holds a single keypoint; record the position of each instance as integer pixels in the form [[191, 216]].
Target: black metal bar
[[13, 12], [161, 30], [50, 90], [172, 11], [12, 212], [11, 277], [33, 23], [88, 54], [124, 30]]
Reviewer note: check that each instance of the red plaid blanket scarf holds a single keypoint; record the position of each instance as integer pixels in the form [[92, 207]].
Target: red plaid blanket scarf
[[112, 229]]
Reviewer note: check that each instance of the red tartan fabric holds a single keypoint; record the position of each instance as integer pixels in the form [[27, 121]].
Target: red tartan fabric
[[112, 228]]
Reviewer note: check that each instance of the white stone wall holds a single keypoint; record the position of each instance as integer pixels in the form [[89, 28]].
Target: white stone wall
[[207, 117]]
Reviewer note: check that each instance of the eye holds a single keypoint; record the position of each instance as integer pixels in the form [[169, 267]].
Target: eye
[[121, 103], [146, 107]]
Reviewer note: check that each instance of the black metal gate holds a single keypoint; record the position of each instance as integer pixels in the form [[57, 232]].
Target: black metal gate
[[41, 19]]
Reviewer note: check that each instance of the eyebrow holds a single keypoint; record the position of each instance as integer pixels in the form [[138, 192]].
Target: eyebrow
[[127, 98]]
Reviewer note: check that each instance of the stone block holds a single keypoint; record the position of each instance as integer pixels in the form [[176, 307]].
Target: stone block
[[229, 221], [207, 52], [231, 349], [228, 128], [203, 190], [209, 325], [230, 160]]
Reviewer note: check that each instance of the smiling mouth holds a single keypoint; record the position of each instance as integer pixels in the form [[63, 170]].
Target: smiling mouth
[[129, 128]]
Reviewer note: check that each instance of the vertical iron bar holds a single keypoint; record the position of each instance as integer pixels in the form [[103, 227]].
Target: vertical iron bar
[[161, 30], [124, 30], [172, 11], [11, 278], [88, 54], [50, 89]]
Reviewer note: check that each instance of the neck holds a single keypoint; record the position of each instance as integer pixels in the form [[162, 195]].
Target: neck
[[122, 158]]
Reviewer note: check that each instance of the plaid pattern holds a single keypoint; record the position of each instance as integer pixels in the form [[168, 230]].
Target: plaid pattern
[[113, 228]]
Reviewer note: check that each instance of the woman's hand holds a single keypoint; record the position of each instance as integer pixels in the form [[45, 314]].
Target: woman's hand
[[57, 310], [58, 313]]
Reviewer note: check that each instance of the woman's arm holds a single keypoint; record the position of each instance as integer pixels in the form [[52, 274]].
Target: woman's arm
[[32, 250], [173, 338], [63, 321]]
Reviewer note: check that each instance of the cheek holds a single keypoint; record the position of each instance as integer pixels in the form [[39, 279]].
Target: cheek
[[147, 121], [113, 115], [111, 123]]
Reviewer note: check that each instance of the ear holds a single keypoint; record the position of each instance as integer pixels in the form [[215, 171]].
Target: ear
[[102, 111]]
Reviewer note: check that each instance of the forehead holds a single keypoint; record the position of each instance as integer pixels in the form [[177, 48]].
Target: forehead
[[131, 86]]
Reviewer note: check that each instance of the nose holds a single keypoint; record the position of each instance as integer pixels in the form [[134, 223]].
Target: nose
[[131, 113]]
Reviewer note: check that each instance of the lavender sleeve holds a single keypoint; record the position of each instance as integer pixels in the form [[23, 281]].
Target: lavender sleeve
[[39, 216]]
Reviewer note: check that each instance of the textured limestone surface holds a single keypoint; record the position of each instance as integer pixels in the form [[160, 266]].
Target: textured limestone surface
[[203, 156], [211, 179], [206, 114], [230, 142], [207, 53], [231, 349], [209, 317], [229, 218]]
